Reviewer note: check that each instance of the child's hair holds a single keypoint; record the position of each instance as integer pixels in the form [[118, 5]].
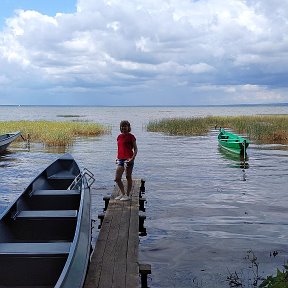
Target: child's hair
[[124, 123]]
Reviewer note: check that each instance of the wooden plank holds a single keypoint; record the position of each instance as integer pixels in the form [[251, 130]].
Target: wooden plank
[[114, 262], [119, 275], [133, 241], [95, 266], [108, 262]]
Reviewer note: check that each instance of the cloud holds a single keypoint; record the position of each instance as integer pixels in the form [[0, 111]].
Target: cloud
[[118, 52]]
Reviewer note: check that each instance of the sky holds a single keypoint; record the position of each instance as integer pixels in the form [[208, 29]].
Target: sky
[[143, 52]]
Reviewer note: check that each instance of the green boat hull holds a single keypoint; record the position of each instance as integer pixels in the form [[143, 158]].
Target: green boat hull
[[232, 142]]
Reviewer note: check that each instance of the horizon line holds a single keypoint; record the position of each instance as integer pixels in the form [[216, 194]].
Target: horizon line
[[180, 105]]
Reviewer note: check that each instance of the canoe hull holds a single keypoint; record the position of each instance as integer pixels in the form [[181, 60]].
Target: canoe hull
[[7, 139], [45, 234], [232, 142]]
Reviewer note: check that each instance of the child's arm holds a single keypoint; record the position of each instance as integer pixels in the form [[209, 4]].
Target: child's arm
[[135, 150]]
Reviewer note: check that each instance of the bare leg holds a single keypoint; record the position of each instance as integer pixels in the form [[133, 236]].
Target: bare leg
[[129, 179], [118, 178]]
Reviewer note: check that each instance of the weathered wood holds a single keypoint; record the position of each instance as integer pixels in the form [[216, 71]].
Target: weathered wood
[[133, 242], [114, 262]]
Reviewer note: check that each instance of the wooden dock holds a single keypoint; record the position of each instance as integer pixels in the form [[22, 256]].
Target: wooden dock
[[114, 262]]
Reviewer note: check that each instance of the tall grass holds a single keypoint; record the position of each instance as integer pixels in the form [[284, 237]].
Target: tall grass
[[179, 126], [259, 128], [55, 133]]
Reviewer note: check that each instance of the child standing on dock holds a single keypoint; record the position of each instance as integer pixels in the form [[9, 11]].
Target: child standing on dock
[[127, 151]]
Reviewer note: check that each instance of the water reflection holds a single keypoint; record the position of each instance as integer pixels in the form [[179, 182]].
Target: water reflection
[[56, 149], [6, 157], [40, 147], [239, 161]]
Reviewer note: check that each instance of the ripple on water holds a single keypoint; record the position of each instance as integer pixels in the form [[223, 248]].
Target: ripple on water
[[202, 217]]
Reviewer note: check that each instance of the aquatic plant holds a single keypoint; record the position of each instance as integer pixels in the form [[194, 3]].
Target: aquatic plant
[[280, 280], [53, 133], [179, 126], [259, 128]]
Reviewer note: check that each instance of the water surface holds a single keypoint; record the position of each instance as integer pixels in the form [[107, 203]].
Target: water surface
[[204, 211]]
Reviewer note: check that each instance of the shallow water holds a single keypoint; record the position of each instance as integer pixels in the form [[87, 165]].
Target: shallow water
[[204, 211]]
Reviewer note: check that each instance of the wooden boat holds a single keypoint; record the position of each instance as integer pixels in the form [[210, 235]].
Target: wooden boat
[[7, 139], [232, 142], [45, 234]]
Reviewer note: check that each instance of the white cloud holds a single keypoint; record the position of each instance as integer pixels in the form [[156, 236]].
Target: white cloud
[[209, 47]]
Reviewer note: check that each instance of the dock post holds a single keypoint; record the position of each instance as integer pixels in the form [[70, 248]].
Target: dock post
[[106, 199], [142, 202], [142, 229], [101, 218], [142, 188], [144, 270]]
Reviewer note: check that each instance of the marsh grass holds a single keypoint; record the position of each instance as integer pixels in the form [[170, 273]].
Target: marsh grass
[[57, 133], [261, 129], [180, 126]]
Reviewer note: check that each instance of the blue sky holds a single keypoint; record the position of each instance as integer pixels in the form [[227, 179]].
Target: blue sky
[[143, 52], [50, 7]]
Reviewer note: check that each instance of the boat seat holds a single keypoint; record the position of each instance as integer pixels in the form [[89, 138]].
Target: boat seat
[[43, 199], [41, 214], [55, 192], [62, 175], [53, 248]]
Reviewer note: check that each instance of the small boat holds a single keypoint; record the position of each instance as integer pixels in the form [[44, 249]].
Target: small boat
[[45, 234], [7, 139], [233, 142]]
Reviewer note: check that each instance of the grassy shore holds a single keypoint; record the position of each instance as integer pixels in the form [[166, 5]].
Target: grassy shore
[[260, 129], [56, 133]]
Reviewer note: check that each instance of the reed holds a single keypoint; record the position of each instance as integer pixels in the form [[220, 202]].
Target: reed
[[56, 133], [179, 126], [259, 128]]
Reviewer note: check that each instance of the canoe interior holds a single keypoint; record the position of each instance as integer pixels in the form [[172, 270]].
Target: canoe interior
[[37, 230], [19, 271]]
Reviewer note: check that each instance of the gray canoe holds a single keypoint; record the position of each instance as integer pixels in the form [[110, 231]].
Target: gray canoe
[[7, 139], [45, 234]]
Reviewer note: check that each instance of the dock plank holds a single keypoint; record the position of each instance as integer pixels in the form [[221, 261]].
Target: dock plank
[[114, 262], [133, 242]]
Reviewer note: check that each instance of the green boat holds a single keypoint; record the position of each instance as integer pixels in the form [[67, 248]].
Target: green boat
[[232, 142]]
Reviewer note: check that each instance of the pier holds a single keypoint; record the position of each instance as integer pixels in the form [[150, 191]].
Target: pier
[[114, 262]]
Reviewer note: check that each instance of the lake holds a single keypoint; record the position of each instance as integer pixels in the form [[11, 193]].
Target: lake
[[206, 215]]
